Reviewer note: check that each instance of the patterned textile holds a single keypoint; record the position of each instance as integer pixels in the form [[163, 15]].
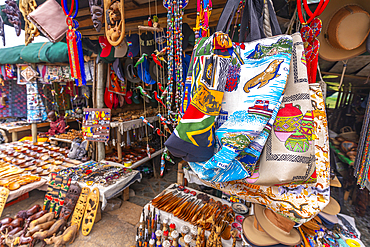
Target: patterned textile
[[251, 108], [193, 138], [17, 100], [301, 202], [289, 152], [36, 111]]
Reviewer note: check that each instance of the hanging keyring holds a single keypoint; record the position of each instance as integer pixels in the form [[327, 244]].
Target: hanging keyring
[[320, 8]]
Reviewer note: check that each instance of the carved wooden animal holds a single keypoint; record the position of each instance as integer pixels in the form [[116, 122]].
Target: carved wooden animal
[[27, 213], [67, 237], [54, 229], [18, 222], [45, 218], [40, 227], [35, 217]]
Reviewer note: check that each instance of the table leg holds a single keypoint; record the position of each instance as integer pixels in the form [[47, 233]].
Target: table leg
[[14, 136], [34, 132], [119, 148]]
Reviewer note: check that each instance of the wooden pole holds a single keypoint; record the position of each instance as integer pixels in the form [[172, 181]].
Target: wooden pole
[[119, 148], [100, 103], [34, 132]]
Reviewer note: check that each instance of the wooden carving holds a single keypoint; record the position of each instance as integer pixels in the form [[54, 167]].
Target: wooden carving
[[31, 31], [79, 211], [90, 213], [4, 192], [114, 21], [67, 237]]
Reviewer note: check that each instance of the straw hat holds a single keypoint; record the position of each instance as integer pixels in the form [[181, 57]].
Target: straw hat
[[277, 226], [345, 27], [253, 232], [333, 208], [335, 182]]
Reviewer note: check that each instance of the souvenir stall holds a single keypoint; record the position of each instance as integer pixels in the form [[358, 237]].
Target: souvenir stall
[[234, 90], [271, 140], [42, 62]]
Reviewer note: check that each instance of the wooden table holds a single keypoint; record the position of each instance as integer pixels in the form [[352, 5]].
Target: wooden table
[[15, 129]]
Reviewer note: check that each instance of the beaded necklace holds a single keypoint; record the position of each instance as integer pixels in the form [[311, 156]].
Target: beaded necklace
[[175, 12]]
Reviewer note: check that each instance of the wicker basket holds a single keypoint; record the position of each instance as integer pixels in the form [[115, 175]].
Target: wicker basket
[[347, 133]]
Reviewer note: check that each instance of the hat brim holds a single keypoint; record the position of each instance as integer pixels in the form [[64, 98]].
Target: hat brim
[[335, 182], [254, 236], [121, 50], [333, 207], [291, 238], [332, 218], [161, 77], [129, 71], [327, 51]]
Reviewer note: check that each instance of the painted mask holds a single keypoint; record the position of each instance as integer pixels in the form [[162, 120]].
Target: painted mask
[[97, 12]]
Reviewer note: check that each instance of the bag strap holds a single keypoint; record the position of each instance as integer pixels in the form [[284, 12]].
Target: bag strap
[[227, 16], [253, 20]]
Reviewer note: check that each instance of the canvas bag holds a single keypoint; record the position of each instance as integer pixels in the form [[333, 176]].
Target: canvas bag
[[256, 80], [50, 19], [288, 155], [301, 202]]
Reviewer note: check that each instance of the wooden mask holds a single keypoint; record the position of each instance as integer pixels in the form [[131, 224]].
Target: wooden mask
[[114, 21]]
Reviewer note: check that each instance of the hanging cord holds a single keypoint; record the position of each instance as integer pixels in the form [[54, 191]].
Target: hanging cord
[[289, 30], [322, 83], [343, 72], [266, 20], [143, 85]]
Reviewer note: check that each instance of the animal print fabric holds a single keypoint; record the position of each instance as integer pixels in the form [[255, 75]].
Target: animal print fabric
[[301, 202]]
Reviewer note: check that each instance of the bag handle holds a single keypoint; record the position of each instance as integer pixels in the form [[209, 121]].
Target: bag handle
[[227, 16], [254, 21], [251, 19]]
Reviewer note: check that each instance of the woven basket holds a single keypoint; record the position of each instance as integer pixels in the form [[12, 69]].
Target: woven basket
[[347, 133]]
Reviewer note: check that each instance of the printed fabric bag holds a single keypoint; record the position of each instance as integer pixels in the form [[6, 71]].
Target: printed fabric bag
[[300, 202], [288, 155], [193, 138]]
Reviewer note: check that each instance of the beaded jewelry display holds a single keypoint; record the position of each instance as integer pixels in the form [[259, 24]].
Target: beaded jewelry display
[[74, 43], [175, 12]]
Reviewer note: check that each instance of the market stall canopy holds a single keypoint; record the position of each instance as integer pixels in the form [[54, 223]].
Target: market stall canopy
[[35, 53]]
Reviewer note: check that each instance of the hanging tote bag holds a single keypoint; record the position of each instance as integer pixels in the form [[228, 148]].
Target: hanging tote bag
[[255, 82], [288, 155], [301, 202]]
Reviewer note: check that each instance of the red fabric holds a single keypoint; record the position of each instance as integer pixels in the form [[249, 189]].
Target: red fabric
[[57, 127]]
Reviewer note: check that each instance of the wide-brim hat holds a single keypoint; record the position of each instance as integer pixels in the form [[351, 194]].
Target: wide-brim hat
[[121, 49], [130, 71], [344, 29], [277, 226], [255, 236], [333, 207], [331, 218], [335, 182]]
